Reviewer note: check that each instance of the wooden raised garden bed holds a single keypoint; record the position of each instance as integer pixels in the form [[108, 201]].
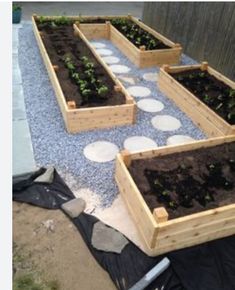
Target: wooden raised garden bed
[[88, 93], [180, 196], [137, 49], [204, 94]]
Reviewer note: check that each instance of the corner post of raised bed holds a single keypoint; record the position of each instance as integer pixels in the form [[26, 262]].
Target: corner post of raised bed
[[126, 157], [160, 214], [76, 27], [129, 16], [204, 65], [166, 68], [117, 88], [55, 67], [178, 45], [71, 105], [35, 16], [142, 48], [108, 28]]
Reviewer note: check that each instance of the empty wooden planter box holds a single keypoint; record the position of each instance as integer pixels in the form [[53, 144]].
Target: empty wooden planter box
[[159, 234], [139, 56], [204, 117], [77, 120]]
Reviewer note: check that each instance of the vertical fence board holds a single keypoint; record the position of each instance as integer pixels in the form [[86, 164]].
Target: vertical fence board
[[206, 30]]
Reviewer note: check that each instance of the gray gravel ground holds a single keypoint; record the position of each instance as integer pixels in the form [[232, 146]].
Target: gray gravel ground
[[54, 146]]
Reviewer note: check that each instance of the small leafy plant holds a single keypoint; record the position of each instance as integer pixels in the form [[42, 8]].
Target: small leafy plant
[[16, 7]]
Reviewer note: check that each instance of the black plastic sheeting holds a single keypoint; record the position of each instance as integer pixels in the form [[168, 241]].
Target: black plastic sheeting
[[210, 266]]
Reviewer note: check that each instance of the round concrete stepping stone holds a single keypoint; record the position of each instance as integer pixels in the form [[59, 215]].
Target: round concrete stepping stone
[[101, 151], [151, 77], [139, 91], [150, 105], [104, 51], [166, 123], [98, 44], [179, 139], [111, 59], [119, 69], [139, 143]]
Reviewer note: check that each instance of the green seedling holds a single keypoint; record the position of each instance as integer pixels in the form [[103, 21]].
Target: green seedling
[[232, 93], [89, 65], [102, 91], [41, 19], [86, 92], [84, 59], [219, 106]]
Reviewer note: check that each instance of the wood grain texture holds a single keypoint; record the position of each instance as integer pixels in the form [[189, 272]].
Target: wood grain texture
[[205, 30]]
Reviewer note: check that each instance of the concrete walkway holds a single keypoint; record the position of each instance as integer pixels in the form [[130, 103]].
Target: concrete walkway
[[23, 159], [83, 8]]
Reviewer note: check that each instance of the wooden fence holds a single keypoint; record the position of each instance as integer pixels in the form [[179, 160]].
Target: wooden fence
[[205, 30]]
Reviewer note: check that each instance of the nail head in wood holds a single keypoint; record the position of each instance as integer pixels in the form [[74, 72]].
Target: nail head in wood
[[126, 157], [56, 67], [204, 65], [160, 214], [177, 45], [117, 89], [166, 67], [71, 105]]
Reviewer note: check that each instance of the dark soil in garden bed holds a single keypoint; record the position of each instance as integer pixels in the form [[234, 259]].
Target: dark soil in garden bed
[[189, 182], [214, 93], [82, 78]]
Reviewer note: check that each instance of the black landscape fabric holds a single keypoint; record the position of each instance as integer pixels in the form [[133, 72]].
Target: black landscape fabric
[[210, 266], [47, 195]]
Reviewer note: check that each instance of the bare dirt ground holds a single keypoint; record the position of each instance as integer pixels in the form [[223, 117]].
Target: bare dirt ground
[[56, 249]]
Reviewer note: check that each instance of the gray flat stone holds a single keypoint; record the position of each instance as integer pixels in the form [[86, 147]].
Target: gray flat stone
[[23, 158], [47, 176], [15, 35], [15, 59], [18, 103], [107, 239], [74, 207], [16, 75]]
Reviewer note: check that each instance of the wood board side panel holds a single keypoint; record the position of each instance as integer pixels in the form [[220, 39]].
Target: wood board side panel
[[140, 213], [159, 57], [181, 68], [52, 75], [103, 117], [184, 98], [195, 222], [166, 150], [226, 231], [92, 31]]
